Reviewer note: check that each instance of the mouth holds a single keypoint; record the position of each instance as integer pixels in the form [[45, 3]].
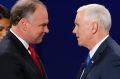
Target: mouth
[[42, 35], [77, 37], [1, 37]]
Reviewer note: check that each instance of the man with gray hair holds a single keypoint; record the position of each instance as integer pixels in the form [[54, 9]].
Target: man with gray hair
[[18, 60], [92, 26]]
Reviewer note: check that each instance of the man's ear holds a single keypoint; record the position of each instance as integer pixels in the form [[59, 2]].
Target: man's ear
[[94, 27], [23, 22]]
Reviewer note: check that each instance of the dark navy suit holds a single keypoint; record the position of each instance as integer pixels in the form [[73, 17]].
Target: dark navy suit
[[105, 63]]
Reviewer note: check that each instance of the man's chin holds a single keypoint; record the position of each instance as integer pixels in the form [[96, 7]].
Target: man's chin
[[38, 41], [79, 44]]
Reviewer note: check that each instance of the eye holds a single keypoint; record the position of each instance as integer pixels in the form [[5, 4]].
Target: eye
[[77, 25], [1, 28], [43, 25]]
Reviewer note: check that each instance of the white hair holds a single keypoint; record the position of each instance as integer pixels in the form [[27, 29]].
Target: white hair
[[98, 13]]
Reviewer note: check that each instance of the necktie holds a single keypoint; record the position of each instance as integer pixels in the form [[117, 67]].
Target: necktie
[[37, 61], [87, 60]]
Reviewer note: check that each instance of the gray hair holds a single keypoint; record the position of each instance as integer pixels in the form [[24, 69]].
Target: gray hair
[[98, 13], [23, 9]]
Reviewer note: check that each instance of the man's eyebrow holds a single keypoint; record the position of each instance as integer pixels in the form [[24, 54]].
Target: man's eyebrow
[[44, 24], [75, 23]]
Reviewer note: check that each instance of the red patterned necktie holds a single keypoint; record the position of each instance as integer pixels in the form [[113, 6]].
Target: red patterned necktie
[[37, 61]]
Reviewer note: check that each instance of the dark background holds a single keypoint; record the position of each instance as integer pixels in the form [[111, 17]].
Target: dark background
[[59, 51]]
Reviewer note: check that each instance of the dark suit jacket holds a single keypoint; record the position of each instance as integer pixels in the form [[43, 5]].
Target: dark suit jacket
[[15, 61], [105, 64]]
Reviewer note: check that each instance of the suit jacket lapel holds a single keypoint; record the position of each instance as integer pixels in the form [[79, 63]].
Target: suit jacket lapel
[[81, 70], [87, 69]]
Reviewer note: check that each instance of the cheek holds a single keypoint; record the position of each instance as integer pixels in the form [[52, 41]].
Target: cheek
[[80, 31], [38, 33], [40, 30], [83, 34]]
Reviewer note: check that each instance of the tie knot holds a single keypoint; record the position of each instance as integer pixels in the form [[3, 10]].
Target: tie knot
[[30, 47], [32, 51], [87, 59]]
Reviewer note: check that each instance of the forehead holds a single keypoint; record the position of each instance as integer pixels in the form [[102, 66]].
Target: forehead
[[40, 14], [40, 11], [79, 16]]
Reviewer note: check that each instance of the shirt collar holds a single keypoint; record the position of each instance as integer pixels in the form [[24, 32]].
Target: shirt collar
[[92, 52]]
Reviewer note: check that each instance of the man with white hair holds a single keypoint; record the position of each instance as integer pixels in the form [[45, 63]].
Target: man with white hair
[[92, 26]]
